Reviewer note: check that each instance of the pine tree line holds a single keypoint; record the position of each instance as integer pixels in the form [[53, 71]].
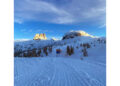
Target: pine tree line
[[70, 50], [34, 52], [85, 47]]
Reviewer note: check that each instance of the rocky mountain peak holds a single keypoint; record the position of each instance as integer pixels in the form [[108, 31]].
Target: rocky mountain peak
[[73, 34], [41, 36]]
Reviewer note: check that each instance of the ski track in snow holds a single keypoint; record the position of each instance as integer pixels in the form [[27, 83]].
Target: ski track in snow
[[58, 72]]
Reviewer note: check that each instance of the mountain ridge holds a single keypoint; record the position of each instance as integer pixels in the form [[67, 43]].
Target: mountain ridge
[[41, 36]]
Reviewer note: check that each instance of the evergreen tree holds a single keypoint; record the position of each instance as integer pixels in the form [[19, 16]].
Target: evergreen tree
[[81, 45], [24, 54], [88, 45], [68, 50], [34, 53], [72, 50], [85, 52], [50, 49], [45, 51], [29, 53], [39, 52], [77, 47]]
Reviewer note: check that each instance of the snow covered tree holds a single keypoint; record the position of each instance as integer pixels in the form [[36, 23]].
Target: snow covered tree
[[88, 45], [50, 49], [98, 40], [77, 47], [29, 53], [24, 54], [85, 52], [39, 52], [34, 54], [81, 45], [18, 53]]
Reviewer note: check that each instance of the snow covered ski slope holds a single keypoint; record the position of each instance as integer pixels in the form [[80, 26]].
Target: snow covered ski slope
[[59, 72], [81, 61]]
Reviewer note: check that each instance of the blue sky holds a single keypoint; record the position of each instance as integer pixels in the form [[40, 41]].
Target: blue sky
[[56, 17]]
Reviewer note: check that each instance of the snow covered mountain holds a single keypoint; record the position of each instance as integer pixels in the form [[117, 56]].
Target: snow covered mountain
[[76, 61], [42, 48], [73, 34]]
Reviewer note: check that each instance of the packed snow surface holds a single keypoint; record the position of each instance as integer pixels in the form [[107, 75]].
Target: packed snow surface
[[59, 72], [62, 69]]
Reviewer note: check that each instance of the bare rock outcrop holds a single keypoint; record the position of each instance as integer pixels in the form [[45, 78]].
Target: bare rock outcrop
[[73, 34], [41, 36]]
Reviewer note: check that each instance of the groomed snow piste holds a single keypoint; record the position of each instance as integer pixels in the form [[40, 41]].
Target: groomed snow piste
[[59, 72], [62, 70]]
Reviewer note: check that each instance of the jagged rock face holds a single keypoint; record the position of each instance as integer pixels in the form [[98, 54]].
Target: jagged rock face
[[73, 34], [40, 37]]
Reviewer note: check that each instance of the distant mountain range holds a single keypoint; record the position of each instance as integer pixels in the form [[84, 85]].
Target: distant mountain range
[[68, 35], [80, 42]]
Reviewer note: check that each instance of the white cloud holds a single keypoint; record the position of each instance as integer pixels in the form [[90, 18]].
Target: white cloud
[[18, 21], [101, 26], [94, 12], [73, 11]]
